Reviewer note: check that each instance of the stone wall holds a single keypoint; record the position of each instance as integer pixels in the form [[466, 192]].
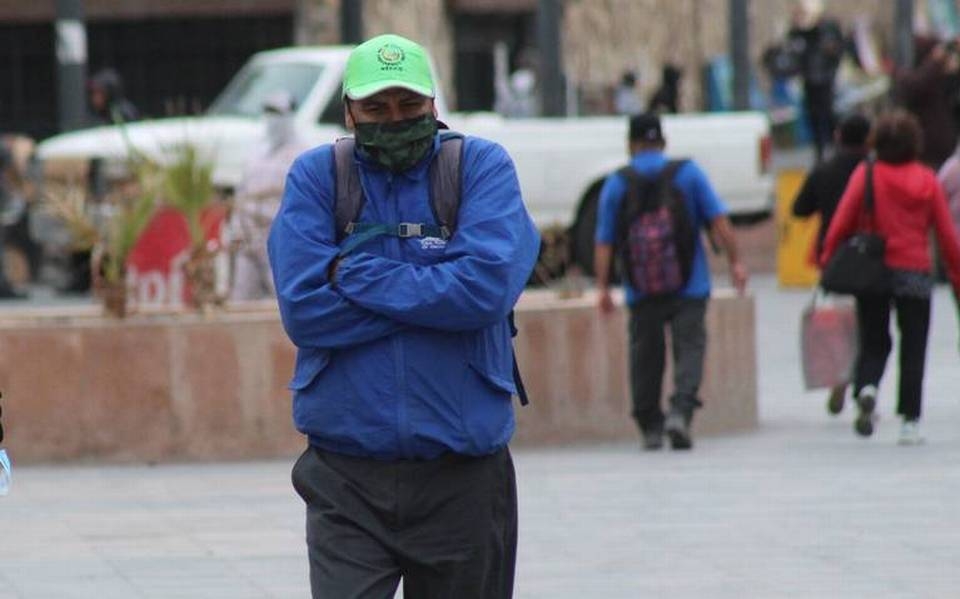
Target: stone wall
[[162, 387], [603, 37]]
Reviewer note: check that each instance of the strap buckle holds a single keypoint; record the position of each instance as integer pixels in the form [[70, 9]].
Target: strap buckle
[[410, 230]]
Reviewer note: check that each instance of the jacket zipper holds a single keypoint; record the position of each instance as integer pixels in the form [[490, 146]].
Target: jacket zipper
[[401, 400]]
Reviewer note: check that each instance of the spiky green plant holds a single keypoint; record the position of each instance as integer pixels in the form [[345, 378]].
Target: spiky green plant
[[130, 216], [187, 182]]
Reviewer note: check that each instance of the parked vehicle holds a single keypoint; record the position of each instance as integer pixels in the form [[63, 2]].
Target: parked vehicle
[[561, 162]]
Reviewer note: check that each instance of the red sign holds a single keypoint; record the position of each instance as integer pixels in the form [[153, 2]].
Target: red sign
[[155, 265]]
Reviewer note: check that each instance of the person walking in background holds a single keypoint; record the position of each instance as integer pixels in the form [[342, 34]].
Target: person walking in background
[[626, 100], [258, 198], [683, 310], [908, 203], [822, 190], [818, 45], [931, 91], [666, 99], [402, 323], [7, 290], [108, 102]]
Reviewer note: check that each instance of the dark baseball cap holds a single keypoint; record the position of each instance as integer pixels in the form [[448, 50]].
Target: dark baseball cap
[[646, 127]]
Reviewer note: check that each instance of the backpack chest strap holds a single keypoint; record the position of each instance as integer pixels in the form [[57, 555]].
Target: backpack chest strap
[[360, 233]]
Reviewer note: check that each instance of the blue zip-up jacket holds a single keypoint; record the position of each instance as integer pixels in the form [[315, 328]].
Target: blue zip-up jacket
[[408, 355]]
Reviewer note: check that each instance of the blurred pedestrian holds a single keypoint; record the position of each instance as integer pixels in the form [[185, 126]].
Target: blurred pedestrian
[[949, 176], [822, 190], [400, 303], [682, 190], [824, 185], [931, 91], [908, 203], [626, 100], [257, 198], [107, 100], [518, 99], [666, 99], [7, 291], [817, 43]]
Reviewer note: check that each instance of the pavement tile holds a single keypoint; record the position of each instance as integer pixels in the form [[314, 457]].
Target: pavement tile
[[801, 508]]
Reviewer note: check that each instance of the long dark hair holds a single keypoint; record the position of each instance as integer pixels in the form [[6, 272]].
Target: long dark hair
[[897, 137]]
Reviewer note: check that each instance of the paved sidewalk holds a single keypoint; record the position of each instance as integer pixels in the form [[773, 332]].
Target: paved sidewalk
[[800, 509]]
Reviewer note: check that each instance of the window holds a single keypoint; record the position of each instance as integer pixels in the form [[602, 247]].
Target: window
[[244, 95], [333, 113]]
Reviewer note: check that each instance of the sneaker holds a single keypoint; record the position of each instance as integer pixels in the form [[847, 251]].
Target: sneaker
[[910, 433], [652, 438], [678, 429], [836, 399], [866, 403]]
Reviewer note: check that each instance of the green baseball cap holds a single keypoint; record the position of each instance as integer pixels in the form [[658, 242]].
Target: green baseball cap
[[387, 61]]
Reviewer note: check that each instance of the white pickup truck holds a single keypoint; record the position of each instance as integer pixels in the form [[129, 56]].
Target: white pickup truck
[[561, 162]]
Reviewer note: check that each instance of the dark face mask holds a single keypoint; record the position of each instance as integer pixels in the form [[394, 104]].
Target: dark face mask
[[399, 145]]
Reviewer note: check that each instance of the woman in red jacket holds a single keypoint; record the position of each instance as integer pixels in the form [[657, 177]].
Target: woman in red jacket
[[908, 202]]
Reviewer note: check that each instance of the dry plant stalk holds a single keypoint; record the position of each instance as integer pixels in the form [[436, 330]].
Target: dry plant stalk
[[68, 202]]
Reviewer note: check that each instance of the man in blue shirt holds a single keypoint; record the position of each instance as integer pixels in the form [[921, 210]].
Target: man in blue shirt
[[683, 311], [404, 371]]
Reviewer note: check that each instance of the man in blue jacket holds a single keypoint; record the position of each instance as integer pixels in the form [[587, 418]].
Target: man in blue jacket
[[404, 371], [684, 310]]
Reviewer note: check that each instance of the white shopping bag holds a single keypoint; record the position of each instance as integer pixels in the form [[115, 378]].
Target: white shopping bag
[[828, 341]]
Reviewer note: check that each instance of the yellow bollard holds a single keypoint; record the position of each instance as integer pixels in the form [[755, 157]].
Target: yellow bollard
[[795, 236]]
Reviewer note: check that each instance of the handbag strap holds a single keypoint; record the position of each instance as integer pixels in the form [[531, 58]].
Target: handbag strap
[[867, 216]]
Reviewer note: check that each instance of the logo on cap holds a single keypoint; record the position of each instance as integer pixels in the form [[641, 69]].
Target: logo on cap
[[390, 55]]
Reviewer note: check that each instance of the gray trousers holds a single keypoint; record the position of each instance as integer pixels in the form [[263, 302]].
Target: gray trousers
[[446, 527], [649, 318]]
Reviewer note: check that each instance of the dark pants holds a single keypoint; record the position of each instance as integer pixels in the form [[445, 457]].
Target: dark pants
[[913, 320], [818, 103], [447, 527], [648, 319]]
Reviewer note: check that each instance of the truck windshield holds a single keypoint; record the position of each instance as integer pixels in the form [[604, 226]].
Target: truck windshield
[[245, 93]]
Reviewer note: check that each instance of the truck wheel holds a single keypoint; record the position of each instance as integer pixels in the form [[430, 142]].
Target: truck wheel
[[582, 233]]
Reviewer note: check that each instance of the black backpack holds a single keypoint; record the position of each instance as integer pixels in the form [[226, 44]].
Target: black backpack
[[655, 239], [445, 190]]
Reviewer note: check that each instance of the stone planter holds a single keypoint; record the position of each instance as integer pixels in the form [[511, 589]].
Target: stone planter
[[199, 271], [114, 297]]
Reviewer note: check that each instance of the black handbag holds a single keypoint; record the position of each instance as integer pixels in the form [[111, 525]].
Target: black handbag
[[857, 267]]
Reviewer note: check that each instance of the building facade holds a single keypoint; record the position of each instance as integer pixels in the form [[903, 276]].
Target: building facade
[[174, 55]]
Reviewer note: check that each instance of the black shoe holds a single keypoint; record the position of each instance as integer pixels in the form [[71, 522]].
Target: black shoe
[[652, 438], [836, 399], [866, 404], [678, 429]]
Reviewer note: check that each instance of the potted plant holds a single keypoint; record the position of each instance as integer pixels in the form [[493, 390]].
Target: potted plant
[[108, 229], [129, 213], [187, 184]]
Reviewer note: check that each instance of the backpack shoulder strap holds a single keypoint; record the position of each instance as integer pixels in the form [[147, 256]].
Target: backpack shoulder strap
[[348, 193], [667, 180], [446, 181], [669, 172]]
